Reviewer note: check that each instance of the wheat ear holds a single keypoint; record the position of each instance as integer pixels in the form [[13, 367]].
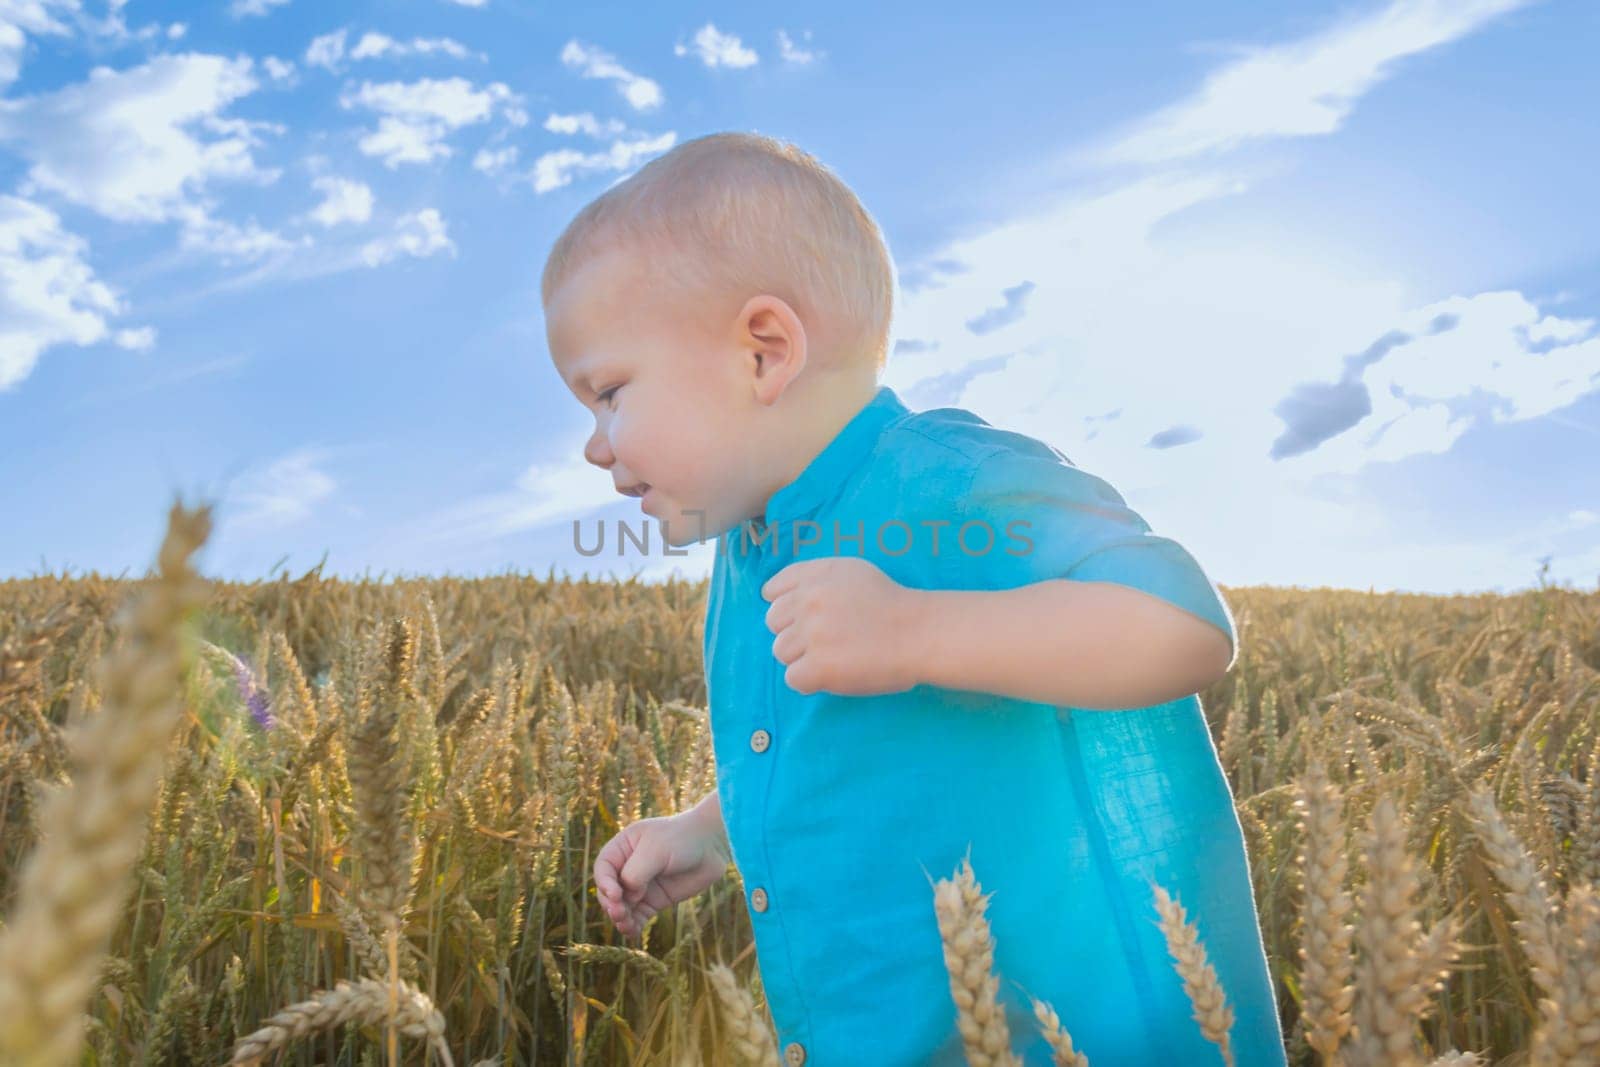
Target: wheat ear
[[1395, 975], [1060, 1042], [969, 959], [1211, 1009], [749, 1036], [1571, 1033], [364, 1002], [1325, 945]]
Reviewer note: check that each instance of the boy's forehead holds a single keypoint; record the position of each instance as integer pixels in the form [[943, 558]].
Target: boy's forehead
[[580, 302]]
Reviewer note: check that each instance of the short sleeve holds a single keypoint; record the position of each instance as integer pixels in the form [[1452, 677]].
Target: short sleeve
[[1051, 519]]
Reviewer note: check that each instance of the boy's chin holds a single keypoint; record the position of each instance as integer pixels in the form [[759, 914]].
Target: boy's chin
[[679, 530]]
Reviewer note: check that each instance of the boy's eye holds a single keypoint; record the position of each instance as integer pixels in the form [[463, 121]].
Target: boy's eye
[[602, 396]]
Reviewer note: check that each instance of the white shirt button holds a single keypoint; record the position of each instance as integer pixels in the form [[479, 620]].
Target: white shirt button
[[758, 899], [794, 1054], [760, 740]]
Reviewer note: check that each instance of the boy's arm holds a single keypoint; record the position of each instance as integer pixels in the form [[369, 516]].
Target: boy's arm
[[709, 813], [1096, 645]]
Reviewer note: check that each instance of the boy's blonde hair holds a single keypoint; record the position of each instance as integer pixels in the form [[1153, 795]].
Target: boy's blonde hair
[[731, 215]]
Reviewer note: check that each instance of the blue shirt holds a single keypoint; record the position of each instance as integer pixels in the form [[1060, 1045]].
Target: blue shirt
[[841, 811]]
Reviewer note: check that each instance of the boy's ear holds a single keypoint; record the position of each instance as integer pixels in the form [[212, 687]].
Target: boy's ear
[[775, 343]]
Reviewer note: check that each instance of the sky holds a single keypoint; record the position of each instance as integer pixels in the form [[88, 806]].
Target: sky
[[1315, 287]]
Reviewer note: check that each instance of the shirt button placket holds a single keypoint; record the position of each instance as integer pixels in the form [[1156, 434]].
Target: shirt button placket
[[794, 1053]]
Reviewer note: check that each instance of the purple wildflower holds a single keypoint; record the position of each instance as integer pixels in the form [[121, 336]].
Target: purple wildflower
[[254, 696]]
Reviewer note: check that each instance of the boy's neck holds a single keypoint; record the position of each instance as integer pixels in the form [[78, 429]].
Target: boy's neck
[[827, 409]]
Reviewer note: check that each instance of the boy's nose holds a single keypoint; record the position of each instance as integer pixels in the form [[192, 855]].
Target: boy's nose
[[598, 451]]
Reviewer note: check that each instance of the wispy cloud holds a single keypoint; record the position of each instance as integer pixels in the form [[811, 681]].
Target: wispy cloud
[[559, 490], [717, 49], [418, 116], [584, 123], [554, 169], [344, 200], [375, 45], [281, 493], [1301, 88], [640, 92], [794, 54], [246, 8], [420, 234]]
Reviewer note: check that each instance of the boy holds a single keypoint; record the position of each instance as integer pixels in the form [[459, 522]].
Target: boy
[[926, 638]]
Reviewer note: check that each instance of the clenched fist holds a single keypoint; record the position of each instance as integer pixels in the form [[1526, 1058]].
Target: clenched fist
[[844, 626]]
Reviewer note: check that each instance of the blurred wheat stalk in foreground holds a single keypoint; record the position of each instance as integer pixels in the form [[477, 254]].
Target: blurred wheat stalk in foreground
[[71, 891]]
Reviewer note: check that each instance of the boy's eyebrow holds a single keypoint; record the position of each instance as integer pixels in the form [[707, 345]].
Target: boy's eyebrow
[[580, 377]]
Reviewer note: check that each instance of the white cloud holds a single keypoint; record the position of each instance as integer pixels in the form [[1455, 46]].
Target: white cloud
[[569, 496], [374, 45], [793, 54], [554, 169], [326, 50], [229, 241], [49, 294], [419, 234], [177, 30], [565, 489], [470, 3], [132, 145], [717, 49], [140, 339], [417, 116], [278, 69], [640, 92], [283, 492], [18, 18], [1302, 88], [495, 161], [1273, 371], [246, 8], [585, 123], [344, 201]]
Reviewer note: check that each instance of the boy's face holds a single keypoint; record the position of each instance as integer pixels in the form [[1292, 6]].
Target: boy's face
[[665, 394]]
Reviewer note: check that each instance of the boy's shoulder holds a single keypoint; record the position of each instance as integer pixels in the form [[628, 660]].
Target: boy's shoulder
[[955, 436]]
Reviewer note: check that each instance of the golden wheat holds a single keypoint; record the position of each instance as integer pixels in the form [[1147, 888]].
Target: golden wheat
[[968, 945], [441, 832], [1200, 983], [365, 1002]]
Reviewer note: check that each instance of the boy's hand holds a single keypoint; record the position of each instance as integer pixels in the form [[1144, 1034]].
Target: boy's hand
[[653, 864], [843, 626]]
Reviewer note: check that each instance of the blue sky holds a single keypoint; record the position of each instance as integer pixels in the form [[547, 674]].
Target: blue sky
[[1316, 287]]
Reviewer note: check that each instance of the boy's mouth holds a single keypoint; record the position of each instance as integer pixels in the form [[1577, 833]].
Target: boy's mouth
[[637, 489]]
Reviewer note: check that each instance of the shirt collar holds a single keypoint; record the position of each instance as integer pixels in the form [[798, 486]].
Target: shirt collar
[[841, 456]]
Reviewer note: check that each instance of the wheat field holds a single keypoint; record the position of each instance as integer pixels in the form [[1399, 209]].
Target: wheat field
[[316, 821]]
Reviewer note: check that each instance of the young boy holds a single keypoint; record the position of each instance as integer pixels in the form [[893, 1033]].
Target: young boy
[[926, 639]]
